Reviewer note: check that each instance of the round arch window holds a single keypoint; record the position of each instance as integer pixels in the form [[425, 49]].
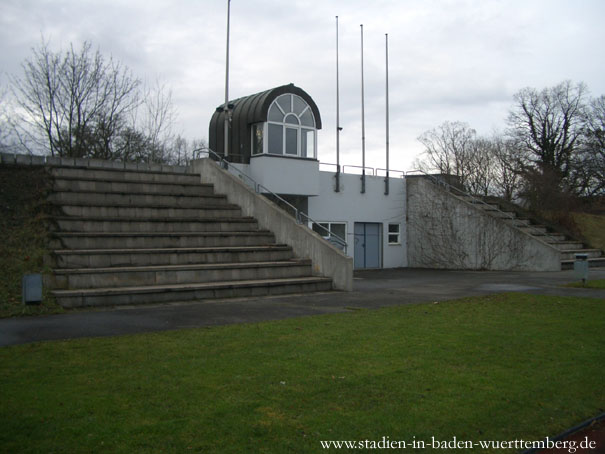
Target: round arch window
[[290, 128]]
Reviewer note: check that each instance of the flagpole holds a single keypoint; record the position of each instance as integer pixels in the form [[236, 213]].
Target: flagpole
[[363, 126], [226, 105], [386, 180], [338, 128]]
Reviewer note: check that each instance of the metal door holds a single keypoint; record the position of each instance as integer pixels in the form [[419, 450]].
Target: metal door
[[367, 239]]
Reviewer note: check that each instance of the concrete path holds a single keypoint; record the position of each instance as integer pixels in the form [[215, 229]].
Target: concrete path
[[372, 289]]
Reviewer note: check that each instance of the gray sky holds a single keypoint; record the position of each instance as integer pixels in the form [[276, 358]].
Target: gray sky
[[450, 60]]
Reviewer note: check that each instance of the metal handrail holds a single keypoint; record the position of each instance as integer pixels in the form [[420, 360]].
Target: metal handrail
[[358, 167], [258, 188], [449, 187], [328, 164], [391, 170]]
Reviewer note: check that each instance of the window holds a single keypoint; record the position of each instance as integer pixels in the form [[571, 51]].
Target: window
[[276, 133], [329, 229], [257, 138], [290, 129], [394, 234]]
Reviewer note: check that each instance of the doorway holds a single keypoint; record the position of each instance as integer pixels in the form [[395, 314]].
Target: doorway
[[367, 241]]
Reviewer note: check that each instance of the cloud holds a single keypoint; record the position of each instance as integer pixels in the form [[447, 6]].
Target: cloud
[[449, 59]]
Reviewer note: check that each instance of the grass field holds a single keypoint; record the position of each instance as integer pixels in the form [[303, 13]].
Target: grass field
[[597, 283], [501, 367], [592, 227]]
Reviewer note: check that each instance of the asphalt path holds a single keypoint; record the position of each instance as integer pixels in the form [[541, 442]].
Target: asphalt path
[[372, 289]]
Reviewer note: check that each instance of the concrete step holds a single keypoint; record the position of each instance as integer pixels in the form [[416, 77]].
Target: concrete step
[[556, 238], [538, 230], [479, 203], [131, 187], [124, 175], [596, 262], [571, 253], [517, 222], [138, 225], [86, 278], [186, 292], [98, 258], [151, 212], [505, 215], [567, 245], [119, 199], [148, 240]]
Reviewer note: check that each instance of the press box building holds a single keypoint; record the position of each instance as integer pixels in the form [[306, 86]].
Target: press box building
[[272, 138]]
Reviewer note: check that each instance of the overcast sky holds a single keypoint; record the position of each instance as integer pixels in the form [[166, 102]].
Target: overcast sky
[[449, 60]]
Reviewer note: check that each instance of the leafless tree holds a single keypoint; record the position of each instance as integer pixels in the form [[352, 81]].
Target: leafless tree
[[79, 103], [591, 163], [156, 116], [549, 125], [480, 170], [507, 158], [448, 149], [4, 122], [74, 103]]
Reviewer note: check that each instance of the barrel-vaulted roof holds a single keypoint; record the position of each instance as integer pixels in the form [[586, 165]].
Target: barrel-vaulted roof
[[246, 111]]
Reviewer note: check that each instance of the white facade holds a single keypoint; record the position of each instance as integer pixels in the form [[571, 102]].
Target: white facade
[[285, 175], [347, 213], [350, 206]]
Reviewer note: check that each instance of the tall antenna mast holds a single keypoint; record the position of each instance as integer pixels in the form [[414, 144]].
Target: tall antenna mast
[[226, 106], [363, 125], [338, 128], [386, 180]]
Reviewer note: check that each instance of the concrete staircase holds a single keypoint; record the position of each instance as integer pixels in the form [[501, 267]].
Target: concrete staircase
[[129, 237], [568, 247]]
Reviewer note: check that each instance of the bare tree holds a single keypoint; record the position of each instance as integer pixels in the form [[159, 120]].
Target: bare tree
[[448, 149], [507, 158], [4, 122], [549, 125], [480, 170], [591, 163], [80, 104]]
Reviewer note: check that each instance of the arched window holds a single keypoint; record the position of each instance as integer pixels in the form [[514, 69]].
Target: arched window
[[290, 129]]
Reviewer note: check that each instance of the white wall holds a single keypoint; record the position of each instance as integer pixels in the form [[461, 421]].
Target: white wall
[[350, 206], [286, 175]]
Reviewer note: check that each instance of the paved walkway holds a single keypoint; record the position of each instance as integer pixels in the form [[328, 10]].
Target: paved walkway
[[372, 289]]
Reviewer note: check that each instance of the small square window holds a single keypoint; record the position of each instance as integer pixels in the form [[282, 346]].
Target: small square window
[[394, 234]]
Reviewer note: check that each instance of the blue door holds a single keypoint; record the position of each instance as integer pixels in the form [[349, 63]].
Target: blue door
[[367, 239]]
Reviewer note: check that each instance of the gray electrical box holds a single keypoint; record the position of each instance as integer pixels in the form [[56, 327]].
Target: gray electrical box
[[580, 267], [32, 289]]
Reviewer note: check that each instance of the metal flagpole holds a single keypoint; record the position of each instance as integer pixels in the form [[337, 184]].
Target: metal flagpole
[[363, 125], [338, 128], [386, 180], [226, 106]]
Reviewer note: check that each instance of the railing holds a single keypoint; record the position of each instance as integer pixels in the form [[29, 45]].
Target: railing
[[371, 171], [475, 200], [400, 172], [301, 217]]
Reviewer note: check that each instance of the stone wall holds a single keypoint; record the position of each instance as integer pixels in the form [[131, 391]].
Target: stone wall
[[446, 232]]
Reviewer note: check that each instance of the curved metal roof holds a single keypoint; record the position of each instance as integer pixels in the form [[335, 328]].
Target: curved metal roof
[[247, 111], [254, 108]]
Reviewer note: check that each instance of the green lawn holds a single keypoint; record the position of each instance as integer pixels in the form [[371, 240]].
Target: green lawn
[[500, 367], [591, 226], [597, 283]]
